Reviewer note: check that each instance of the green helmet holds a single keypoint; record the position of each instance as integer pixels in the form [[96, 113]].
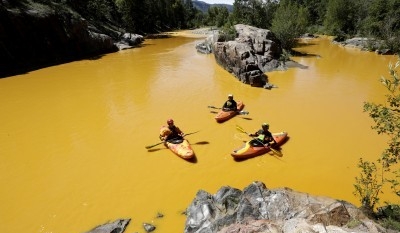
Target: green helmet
[[265, 125]]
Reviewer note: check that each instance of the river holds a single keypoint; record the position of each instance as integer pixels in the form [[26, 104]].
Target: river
[[73, 136]]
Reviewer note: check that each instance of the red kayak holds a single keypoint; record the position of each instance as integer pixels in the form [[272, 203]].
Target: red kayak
[[249, 151], [226, 115]]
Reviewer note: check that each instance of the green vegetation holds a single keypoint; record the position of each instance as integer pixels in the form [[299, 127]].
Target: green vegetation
[[378, 20], [385, 171], [290, 21]]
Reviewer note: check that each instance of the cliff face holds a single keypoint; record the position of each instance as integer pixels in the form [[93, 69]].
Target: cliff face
[[32, 39]]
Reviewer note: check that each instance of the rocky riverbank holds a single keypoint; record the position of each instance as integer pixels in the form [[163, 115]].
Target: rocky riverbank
[[37, 36], [259, 209]]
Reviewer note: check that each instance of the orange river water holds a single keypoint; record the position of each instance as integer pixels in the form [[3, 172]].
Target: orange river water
[[73, 136]]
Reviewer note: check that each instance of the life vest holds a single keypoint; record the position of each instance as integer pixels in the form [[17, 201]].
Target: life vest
[[261, 137], [229, 103], [165, 131]]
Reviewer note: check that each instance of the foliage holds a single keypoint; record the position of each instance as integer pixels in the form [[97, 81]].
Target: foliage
[[340, 17], [389, 217], [290, 21], [216, 16], [376, 19], [353, 223], [227, 33], [254, 12], [368, 185]]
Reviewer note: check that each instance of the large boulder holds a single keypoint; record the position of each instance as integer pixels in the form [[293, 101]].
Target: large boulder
[[259, 209], [253, 52]]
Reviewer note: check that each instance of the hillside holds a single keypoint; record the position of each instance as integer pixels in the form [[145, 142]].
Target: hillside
[[203, 6]]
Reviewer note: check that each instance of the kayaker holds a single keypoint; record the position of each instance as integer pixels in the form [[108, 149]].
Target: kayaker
[[230, 104], [263, 135], [171, 132]]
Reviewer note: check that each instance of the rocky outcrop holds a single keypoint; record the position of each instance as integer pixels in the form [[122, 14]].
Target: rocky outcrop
[[36, 37], [259, 209], [365, 44], [253, 52], [118, 226]]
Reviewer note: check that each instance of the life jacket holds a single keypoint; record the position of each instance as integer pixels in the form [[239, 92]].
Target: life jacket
[[165, 131], [229, 103], [261, 137]]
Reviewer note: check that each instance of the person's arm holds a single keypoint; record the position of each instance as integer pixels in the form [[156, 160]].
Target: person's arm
[[179, 131], [271, 138], [234, 105], [225, 105], [254, 134]]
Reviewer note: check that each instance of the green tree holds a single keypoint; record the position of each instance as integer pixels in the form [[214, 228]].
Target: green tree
[[387, 121], [256, 13], [340, 17], [217, 16], [290, 21]]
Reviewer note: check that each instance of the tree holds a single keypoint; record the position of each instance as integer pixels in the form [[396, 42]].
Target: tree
[[387, 121], [290, 21], [257, 13], [340, 17]]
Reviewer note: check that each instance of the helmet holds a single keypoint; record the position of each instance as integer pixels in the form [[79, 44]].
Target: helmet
[[265, 125], [230, 95], [170, 121]]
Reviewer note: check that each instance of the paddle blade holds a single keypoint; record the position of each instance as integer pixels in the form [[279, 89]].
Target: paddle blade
[[213, 107], [241, 129], [277, 152], [243, 113]]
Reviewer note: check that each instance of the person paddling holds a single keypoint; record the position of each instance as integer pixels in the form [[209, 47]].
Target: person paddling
[[170, 132], [230, 104], [263, 136]]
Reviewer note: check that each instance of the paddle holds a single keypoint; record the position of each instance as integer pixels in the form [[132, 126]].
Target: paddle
[[239, 112], [272, 149], [151, 146]]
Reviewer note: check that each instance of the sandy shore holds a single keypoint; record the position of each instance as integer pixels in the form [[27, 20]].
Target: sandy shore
[[195, 33]]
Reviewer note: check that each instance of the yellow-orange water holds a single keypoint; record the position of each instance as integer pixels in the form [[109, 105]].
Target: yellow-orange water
[[73, 136]]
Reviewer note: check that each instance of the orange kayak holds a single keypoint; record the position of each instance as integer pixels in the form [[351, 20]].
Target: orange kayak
[[249, 151], [181, 147], [226, 115]]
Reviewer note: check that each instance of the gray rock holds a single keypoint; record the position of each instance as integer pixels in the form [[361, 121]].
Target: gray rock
[[117, 226], [259, 209], [254, 52]]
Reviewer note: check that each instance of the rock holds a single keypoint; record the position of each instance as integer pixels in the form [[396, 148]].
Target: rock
[[34, 38], [259, 209], [117, 226], [148, 227], [254, 52]]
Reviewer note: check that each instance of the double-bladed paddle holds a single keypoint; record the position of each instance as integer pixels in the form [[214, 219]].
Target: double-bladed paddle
[[272, 149], [151, 146], [239, 112]]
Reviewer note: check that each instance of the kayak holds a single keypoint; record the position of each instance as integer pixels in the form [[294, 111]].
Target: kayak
[[226, 115], [180, 147], [249, 151]]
